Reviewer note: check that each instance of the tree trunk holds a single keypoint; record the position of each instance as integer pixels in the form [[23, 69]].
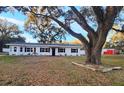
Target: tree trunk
[[1, 46], [93, 56], [96, 57]]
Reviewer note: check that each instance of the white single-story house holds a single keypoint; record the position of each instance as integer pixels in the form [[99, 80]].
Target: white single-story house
[[49, 49], [44, 49]]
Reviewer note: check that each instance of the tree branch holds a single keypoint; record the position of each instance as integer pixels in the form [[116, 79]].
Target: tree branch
[[111, 13], [82, 21], [99, 13], [78, 36], [117, 30]]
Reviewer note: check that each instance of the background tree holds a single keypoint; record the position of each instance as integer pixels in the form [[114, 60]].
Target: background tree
[[117, 37], [7, 8], [108, 45], [118, 41], [3, 9], [8, 31], [102, 17], [16, 39]]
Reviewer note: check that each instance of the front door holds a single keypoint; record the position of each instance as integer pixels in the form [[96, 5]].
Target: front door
[[34, 50], [53, 51]]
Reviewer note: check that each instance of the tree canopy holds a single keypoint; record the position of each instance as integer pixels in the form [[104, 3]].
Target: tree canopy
[[45, 31], [8, 31]]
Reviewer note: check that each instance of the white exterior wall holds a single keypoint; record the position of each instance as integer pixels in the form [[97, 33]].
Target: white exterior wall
[[6, 50], [38, 50], [82, 52], [11, 51], [66, 53]]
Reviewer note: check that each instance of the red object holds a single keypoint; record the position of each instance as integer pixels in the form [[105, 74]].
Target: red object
[[110, 52]]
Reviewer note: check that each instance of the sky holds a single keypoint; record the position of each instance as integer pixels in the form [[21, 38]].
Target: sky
[[19, 19]]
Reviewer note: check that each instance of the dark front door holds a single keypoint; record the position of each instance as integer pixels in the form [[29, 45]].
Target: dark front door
[[34, 50], [53, 51]]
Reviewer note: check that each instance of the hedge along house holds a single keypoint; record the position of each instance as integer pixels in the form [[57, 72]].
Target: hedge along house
[[45, 49]]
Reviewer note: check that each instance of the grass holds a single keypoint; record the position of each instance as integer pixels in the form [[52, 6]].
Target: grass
[[113, 60], [7, 59], [17, 70], [118, 84]]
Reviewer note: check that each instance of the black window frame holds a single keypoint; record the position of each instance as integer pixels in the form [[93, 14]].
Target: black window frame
[[41, 49], [74, 50], [15, 49], [28, 49], [44, 49], [31, 50], [25, 49], [21, 49], [61, 50], [47, 49]]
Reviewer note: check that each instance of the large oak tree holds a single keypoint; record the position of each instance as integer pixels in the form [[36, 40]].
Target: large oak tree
[[102, 17]]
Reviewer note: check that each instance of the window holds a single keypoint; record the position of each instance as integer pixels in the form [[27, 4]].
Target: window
[[6, 46], [31, 49], [74, 50], [61, 50], [28, 49], [41, 49], [21, 49], [44, 49], [25, 49], [15, 49]]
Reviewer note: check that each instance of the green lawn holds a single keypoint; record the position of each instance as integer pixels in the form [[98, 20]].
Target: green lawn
[[20, 70], [7, 59]]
